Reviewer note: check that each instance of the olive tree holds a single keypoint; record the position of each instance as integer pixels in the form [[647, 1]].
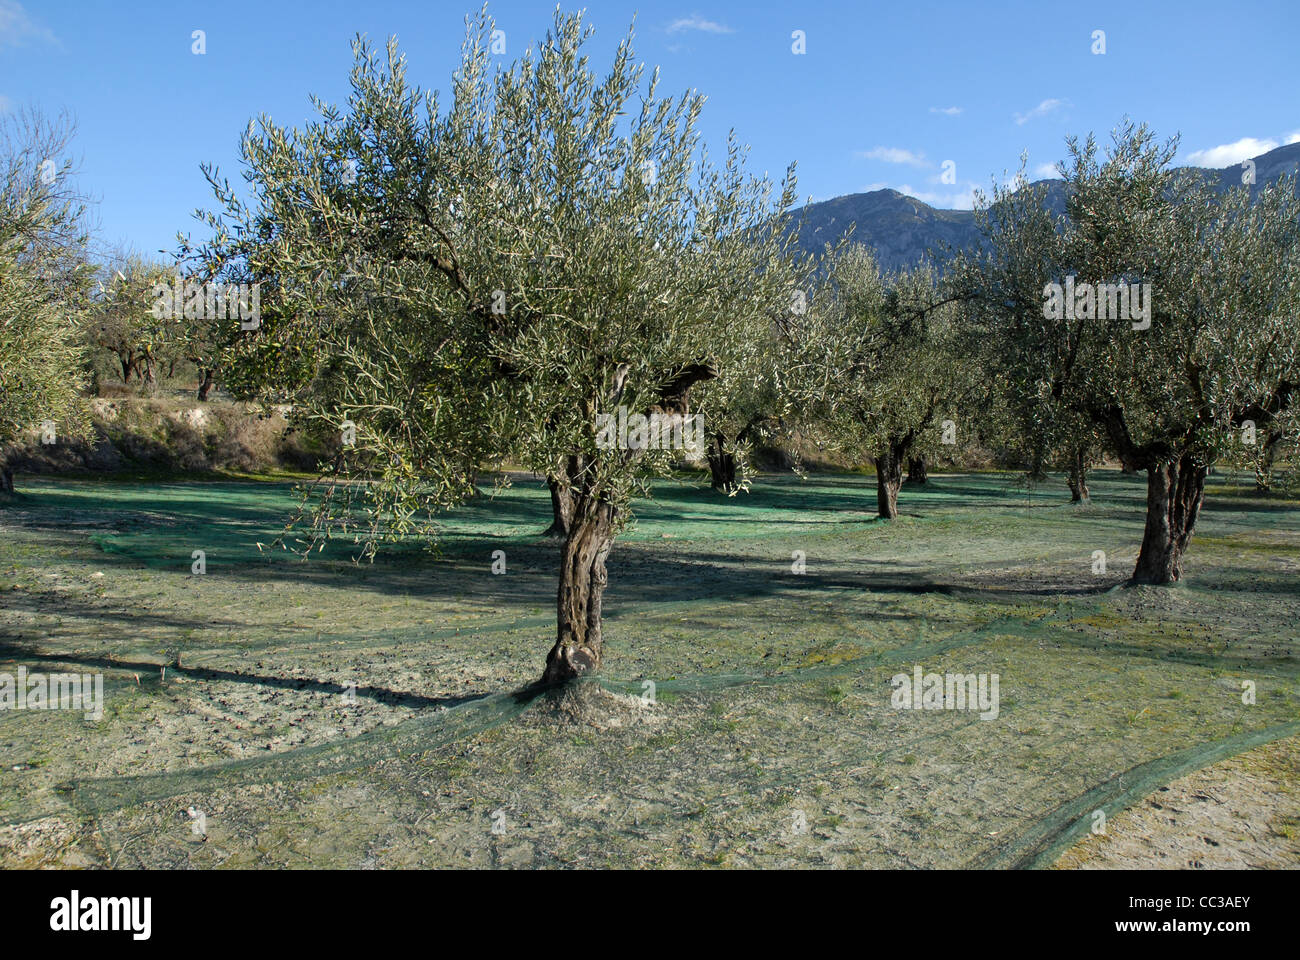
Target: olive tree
[[503, 275], [1156, 310], [752, 401], [894, 346], [123, 320], [44, 284]]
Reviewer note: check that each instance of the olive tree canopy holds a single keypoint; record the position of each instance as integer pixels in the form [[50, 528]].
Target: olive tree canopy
[[1156, 310], [495, 276], [44, 283]]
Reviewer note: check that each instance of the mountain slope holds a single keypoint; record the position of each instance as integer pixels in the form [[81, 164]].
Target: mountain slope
[[901, 229]]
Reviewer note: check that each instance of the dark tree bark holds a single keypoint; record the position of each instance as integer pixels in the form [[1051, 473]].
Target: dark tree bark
[[561, 509], [579, 645], [1078, 477], [6, 479], [205, 384], [128, 364], [1175, 492], [722, 465], [917, 475], [1037, 471], [889, 477]]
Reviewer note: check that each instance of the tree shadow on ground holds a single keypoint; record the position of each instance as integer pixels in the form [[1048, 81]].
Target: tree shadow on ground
[[19, 652]]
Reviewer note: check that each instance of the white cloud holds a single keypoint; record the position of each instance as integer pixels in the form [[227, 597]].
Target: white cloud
[[946, 111], [1042, 110], [16, 27], [697, 22], [894, 155], [958, 199], [1226, 154], [1293, 137], [1046, 171]]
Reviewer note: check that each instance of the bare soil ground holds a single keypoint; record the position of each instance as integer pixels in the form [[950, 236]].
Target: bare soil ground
[[271, 713], [1242, 813]]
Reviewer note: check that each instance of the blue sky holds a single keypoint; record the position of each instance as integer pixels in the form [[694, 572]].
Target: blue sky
[[884, 95]]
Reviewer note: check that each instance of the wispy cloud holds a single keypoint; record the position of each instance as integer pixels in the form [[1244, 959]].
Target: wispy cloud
[[17, 28], [894, 155], [1043, 109], [960, 198], [946, 111], [1226, 154], [698, 23], [1046, 171], [5, 104]]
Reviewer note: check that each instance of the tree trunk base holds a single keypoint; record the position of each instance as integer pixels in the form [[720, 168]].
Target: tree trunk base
[[889, 477], [1175, 492], [917, 474], [568, 662], [722, 467], [1078, 477], [583, 576]]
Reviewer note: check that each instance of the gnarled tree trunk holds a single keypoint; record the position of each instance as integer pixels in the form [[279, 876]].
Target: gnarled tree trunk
[[578, 646], [1037, 470], [1175, 492], [889, 477], [722, 465], [205, 384], [561, 508], [6, 479], [1078, 477], [148, 375], [917, 475]]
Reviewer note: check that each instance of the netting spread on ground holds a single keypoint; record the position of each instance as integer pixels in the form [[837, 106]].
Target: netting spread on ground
[[336, 715]]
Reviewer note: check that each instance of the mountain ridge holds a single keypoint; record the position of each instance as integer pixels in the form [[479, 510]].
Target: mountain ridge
[[901, 229]]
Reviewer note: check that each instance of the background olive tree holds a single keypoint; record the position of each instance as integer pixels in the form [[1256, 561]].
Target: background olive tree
[[752, 401], [122, 323], [897, 368], [483, 278], [1223, 343]]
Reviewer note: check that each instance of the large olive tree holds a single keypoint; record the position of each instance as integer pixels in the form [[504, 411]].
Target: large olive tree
[[44, 283], [1210, 339], [492, 276]]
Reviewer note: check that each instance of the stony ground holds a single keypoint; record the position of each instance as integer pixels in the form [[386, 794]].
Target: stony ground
[[1242, 813], [269, 712]]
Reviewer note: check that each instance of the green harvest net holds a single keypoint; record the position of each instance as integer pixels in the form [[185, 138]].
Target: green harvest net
[[334, 714]]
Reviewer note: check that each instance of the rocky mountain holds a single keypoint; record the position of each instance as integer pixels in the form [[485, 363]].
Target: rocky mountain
[[901, 229]]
